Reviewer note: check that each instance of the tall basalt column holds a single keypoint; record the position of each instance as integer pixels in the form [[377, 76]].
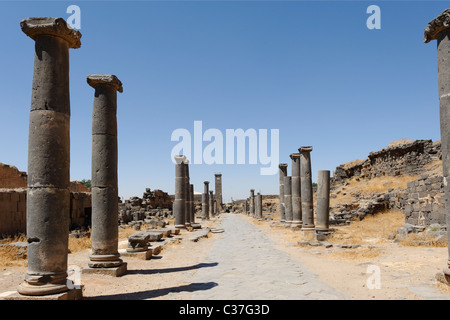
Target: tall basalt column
[[296, 191], [252, 202], [323, 201], [439, 29], [205, 200], [48, 195], [179, 204], [218, 190], [288, 199], [188, 207], [306, 188], [259, 205], [191, 203], [282, 174], [211, 203], [105, 208]]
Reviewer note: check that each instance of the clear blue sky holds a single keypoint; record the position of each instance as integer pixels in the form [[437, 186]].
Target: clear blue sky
[[311, 69]]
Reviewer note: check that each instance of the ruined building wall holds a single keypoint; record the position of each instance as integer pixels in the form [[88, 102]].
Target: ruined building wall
[[408, 158]]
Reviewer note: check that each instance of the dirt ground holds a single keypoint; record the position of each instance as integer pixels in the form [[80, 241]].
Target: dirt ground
[[405, 272]]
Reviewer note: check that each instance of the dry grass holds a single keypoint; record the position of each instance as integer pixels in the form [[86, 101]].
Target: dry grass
[[11, 256], [356, 255], [400, 142], [352, 163], [79, 244], [124, 233], [366, 187], [372, 230], [422, 240]]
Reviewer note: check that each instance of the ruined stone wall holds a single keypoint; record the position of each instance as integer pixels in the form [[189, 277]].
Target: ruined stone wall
[[424, 201], [11, 177], [13, 212], [404, 159]]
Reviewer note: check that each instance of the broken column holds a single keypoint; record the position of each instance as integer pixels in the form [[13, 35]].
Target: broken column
[[105, 232], [188, 207], [323, 201], [48, 195], [211, 204], [288, 200], [179, 204], [439, 29], [205, 200], [282, 175], [306, 189], [252, 202], [259, 205], [296, 192]]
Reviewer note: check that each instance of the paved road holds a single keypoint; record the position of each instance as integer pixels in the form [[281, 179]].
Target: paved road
[[244, 264]]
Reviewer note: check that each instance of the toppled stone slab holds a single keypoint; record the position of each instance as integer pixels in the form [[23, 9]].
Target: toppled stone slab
[[200, 234], [166, 232]]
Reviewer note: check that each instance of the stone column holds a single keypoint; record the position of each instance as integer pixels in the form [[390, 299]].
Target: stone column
[[288, 199], [283, 174], [211, 203], [306, 189], [205, 201], [218, 190], [259, 205], [191, 203], [252, 202], [323, 201], [48, 195], [105, 206], [187, 211], [296, 192], [179, 204], [439, 29]]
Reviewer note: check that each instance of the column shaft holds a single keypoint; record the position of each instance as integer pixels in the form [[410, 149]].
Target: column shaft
[[288, 199], [323, 201], [296, 192], [306, 188], [179, 205], [282, 175]]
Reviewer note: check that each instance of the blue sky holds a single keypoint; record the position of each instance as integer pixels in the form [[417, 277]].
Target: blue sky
[[311, 69]]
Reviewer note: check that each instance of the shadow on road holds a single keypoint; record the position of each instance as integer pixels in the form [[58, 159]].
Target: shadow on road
[[167, 270], [197, 286]]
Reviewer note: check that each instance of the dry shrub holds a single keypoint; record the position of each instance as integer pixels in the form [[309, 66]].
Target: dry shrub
[[124, 233]]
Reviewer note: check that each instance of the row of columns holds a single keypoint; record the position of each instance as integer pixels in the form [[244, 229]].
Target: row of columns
[[255, 206], [48, 195], [296, 194]]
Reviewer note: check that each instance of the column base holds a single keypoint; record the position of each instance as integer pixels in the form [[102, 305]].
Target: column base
[[144, 255], [70, 294], [296, 225], [307, 233], [444, 276], [113, 271], [41, 290]]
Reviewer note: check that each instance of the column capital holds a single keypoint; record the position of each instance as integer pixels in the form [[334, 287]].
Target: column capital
[[295, 155], [58, 27], [109, 79], [206, 182], [437, 25], [305, 149], [179, 159], [282, 165]]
